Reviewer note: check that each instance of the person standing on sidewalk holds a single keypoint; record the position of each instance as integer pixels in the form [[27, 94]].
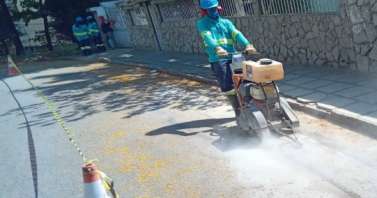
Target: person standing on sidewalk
[[82, 34], [96, 36], [108, 32], [219, 35]]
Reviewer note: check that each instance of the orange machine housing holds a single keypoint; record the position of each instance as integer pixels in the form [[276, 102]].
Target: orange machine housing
[[265, 70]]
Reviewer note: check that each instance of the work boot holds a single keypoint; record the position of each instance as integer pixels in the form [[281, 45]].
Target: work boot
[[235, 104]]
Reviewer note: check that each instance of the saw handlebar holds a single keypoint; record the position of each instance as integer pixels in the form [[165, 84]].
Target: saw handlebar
[[244, 53], [254, 57]]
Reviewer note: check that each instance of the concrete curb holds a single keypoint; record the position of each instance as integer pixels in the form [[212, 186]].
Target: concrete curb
[[357, 124]]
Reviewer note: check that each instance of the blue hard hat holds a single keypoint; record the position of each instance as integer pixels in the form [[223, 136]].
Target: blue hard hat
[[208, 4], [78, 19], [89, 17]]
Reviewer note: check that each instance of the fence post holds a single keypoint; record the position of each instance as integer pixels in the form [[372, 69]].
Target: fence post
[[239, 7], [197, 6], [256, 7]]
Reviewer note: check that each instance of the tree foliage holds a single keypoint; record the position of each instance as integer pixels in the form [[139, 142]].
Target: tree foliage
[[26, 15], [32, 10]]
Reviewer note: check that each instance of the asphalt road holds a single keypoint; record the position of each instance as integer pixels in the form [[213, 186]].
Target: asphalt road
[[161, 136]]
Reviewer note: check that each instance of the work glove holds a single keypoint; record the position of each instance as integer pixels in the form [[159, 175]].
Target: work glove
[[221, 52], [250, 49]]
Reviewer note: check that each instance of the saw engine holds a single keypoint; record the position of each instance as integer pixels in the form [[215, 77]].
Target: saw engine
[[262, 106]]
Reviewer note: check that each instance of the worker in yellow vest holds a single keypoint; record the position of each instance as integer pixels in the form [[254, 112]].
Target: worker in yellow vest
[[82, 34], [95, 35]]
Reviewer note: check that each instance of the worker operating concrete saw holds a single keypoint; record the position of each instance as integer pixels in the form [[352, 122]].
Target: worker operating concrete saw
[[219, 35]]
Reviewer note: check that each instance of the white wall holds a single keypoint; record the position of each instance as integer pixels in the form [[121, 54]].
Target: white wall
[[100, 11]]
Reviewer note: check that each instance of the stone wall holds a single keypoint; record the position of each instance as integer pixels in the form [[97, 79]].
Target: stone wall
[[182, 36], [346, 39], [363, 16], [314, 39], [142, 36]]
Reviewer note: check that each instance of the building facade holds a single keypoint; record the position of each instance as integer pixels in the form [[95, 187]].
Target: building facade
[[329, 33]]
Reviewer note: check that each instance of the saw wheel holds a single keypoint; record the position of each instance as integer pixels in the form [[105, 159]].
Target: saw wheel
[[252, 122]]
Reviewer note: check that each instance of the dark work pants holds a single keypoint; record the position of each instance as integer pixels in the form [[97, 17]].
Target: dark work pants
[[223, 75], [86, 47], [99, 44]]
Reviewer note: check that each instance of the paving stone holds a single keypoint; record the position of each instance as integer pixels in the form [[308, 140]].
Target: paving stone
[[354, 91], [170, 65], [334, 87], [352, 79], [199, 64], [320, 73], [284, 88], [187, 70], [335, 76], [292, 69], [299, 81], [335, 102], [356, 109], [297, 92], [290, 77], [368, 83], [370, 98], [314, 97], [279, 83], [315, 84], [306, 70]]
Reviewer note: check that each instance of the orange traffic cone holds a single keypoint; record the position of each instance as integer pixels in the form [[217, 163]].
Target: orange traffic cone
[[93, 185], [11, 68]]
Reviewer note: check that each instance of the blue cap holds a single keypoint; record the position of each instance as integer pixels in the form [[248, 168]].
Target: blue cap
[[208, 4], [78, 19], [89, 17]]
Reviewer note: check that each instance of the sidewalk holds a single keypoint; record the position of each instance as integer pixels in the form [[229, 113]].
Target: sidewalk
[[342, 96]]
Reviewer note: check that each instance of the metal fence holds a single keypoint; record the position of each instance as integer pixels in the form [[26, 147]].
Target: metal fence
[[138, 17], [178, 10], [270, 7], [186, 9], [121, 32], [234, 8]]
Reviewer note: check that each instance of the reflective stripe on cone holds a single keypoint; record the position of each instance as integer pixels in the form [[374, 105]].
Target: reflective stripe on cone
[[11, 69], [93, 186]]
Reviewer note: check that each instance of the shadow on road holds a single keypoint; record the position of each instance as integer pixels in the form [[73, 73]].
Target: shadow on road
[[32, 153], [78, 91], [175, 129], [230, 138]]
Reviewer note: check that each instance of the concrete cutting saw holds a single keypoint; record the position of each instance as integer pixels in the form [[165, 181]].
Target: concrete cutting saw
[[262, 107]]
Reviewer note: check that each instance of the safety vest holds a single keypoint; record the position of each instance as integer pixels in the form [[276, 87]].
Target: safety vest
[[81, 32], [219, 32], [93, 28]]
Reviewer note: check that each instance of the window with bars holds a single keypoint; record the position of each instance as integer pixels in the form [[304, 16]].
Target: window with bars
[[138, 17], [178, 10], [270, 7]]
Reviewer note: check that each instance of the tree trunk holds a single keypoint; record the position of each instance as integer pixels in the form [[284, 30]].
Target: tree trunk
[[45, 22], [47, 33], [18, 44], [9, 21], [5, 47]]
